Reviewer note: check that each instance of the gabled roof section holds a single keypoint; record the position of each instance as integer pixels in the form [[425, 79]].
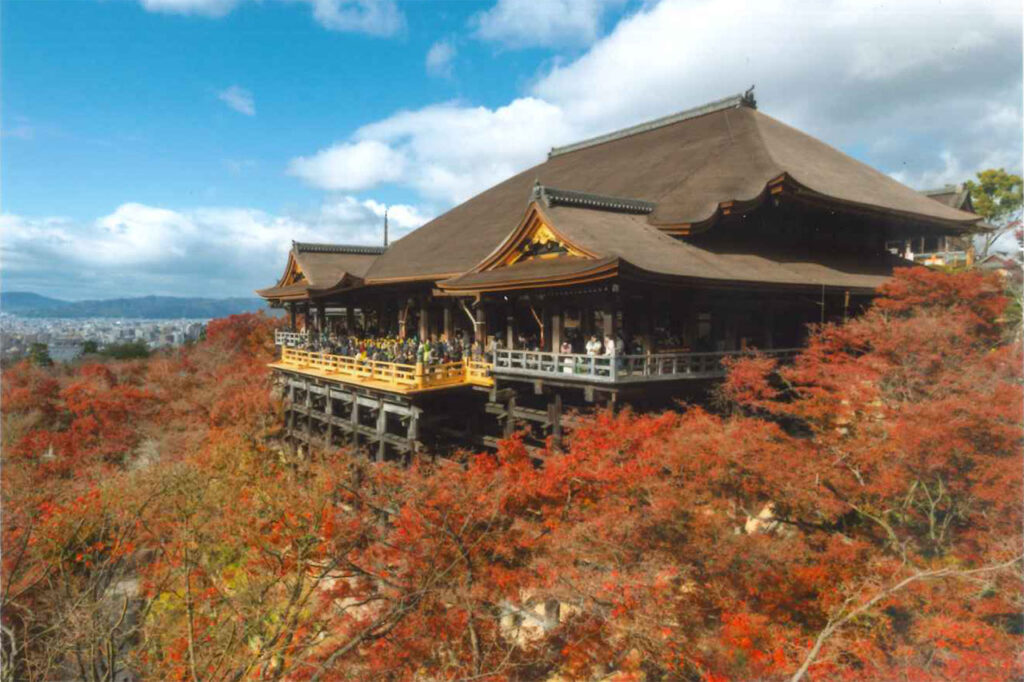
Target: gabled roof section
[[325, 264], [687, 168], [534, 238], [314, 269], [954, 196]]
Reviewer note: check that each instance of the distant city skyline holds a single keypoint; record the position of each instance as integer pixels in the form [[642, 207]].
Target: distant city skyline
[[176, 147]]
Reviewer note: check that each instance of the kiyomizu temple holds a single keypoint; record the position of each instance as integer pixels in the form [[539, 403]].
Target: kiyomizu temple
[[623, 269]]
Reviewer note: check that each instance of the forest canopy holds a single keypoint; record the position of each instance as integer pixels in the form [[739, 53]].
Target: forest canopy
[[854, 515]]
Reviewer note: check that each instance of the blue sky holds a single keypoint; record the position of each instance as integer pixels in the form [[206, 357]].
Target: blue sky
[[177, 146]]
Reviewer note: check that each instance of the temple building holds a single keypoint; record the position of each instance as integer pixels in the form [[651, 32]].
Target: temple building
[[942, 250], [623, 269]]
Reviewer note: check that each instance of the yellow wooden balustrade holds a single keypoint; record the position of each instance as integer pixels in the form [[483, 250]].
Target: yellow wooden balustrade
[[400, 376], [479, 373]]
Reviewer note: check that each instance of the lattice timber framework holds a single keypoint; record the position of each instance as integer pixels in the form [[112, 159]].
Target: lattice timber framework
[[336, 400]]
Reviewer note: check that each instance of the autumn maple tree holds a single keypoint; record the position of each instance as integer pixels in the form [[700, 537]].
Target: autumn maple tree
[[851, 515]]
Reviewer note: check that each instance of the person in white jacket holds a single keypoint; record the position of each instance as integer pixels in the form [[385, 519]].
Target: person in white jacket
[[609, 345]]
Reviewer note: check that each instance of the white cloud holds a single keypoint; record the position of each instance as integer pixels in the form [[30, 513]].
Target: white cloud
[[439, 58], [551, 23], [919, 90], [210, 8], [454, 151], [374, 17], [207, 251], [350, 167], [239, 99]]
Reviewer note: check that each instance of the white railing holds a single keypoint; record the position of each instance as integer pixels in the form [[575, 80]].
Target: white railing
[[289, 339], [618, 368]]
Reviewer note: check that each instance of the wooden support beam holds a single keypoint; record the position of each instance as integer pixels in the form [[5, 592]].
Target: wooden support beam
[[309, 420], [510, 419], [555, 418], [329, 410], [354, 419], [382, 423], [413, 431]]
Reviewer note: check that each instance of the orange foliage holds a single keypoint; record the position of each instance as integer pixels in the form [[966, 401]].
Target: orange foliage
[[882, 468]]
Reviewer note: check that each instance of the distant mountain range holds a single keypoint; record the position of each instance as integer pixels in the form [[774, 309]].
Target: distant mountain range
[[28, 304]]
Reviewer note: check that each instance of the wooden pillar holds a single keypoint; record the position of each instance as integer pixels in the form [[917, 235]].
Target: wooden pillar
[[354, 418], [382, 423], [446, 321], [350, 319], [556, 328], [510, 420], [329, 409], [306, 322], [413, 432], [587, 321], [291, 410], [424, 331], [608, 320], [480, 326], [309, 420], [769, 323], [321, 317], [510, 327], [555, 417], [648, 328], [545, 329], [291, 316]]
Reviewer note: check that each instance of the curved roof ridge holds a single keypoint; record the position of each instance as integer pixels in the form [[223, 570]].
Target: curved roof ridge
[[745, 99], [361, 249], [553, 196]]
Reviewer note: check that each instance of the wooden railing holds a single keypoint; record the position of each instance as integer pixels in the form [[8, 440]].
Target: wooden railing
[[391, 373], [564, 366], [618, 368], [479, 372], [398, 375], [287, 339]]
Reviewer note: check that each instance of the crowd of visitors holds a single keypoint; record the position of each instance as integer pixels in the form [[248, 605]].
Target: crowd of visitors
[[408, 351], [442, 349]]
